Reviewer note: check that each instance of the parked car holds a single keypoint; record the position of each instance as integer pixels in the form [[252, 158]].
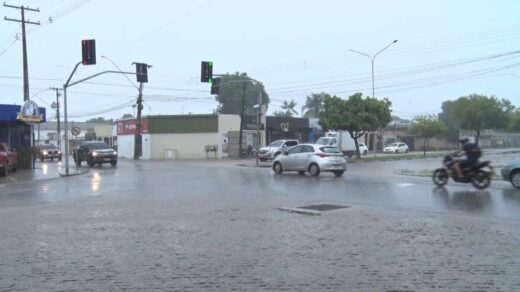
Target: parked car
[[48, 151], [398, 147], [274, 149], [8, 158], [311, 158], [363, 149], [94, 152], [511, 172]]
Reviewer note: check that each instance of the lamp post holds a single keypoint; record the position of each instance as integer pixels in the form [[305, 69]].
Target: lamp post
[[372, 58]]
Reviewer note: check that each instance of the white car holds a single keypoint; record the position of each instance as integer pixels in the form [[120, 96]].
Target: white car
[[311, 158], [363, 149], [398, 147]]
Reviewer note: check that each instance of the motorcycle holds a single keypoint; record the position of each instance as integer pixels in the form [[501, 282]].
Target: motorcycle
[[479, 174]]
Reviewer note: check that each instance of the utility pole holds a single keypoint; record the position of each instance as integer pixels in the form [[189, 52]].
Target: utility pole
[[242, 109], [138, 138], [58, 113], [141, 72], [25, 66]]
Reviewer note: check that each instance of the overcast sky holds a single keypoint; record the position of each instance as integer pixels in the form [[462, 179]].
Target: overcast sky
[[445, 49]]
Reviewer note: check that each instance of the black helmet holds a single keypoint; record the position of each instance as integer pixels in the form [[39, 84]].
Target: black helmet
[[464, 140]]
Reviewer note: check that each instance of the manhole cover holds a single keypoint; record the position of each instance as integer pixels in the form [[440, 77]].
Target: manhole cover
[[322, 207]]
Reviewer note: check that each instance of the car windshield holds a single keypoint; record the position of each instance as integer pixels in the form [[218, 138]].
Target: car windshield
[[99, 145], [323, 141], [393, 145], [45, 147], [329, 150], [276, 144]]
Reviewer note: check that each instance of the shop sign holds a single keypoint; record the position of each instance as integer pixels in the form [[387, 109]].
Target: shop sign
[[30, 113]]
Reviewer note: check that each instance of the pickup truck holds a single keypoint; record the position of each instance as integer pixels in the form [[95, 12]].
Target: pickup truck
[[8, 159], [274, 149]]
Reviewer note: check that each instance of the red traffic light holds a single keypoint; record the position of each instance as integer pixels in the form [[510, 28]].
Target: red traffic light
[[88, 50]]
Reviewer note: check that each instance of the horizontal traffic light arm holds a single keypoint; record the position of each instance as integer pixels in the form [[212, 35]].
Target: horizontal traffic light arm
[[95, 75]]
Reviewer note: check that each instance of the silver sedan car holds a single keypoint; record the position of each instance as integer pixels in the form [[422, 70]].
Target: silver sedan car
[[311, 158]]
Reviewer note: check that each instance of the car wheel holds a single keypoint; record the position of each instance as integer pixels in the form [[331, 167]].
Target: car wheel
[[338, 173], [277, 168], [42, 159], [5, 170], [301, 172], [396, 151], [515, 178], [90, 163], [314, 169], [365, 152], [113, 162], [406, 151], [52, 159]]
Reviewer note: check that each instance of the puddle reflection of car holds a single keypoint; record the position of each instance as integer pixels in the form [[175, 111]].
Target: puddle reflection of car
[[311, 158], [511, 172], [398, 147], [48, 151]]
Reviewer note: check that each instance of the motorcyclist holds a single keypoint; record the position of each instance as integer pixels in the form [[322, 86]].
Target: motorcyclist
[[472, 154]]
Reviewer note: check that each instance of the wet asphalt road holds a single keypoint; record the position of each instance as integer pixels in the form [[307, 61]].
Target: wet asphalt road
[[213, 225]]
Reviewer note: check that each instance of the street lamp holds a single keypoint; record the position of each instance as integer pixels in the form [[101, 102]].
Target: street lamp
[[372, 58]]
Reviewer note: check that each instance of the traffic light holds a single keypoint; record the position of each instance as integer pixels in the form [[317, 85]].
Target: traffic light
[[88, 50], [141, 71], [206, 71], [215, 86]]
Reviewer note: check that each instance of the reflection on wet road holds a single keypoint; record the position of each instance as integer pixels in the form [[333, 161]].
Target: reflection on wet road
[[185, 180]]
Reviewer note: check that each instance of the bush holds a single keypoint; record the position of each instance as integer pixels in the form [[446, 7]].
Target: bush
[[24, 157]]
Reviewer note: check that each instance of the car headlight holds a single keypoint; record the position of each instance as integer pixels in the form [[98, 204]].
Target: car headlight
[[59, 152], [44, 152], [94, 153], [115, 152]]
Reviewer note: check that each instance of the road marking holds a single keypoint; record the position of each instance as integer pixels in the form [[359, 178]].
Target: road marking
[[405, 185], [12, 179]]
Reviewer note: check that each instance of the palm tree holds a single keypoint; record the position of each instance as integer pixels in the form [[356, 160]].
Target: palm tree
[[314, 105], [288, 107]]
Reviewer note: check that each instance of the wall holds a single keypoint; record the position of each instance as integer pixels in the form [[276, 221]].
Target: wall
[[183, 146], [125, 146]]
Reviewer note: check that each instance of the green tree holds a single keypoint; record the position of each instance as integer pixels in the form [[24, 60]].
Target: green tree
[[314, 105], [450, 119], [478, 112], [288, 108], [237, 95], [514, 121], [127, 116], [355, 115], [99, 120], [237, 90], [427, 127]]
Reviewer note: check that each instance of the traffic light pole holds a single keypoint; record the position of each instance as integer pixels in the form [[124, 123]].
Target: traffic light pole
[[65, 123]]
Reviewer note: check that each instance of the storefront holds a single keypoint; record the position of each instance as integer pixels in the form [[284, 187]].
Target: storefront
[[178, 136], [288, 128], [15, 133]]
